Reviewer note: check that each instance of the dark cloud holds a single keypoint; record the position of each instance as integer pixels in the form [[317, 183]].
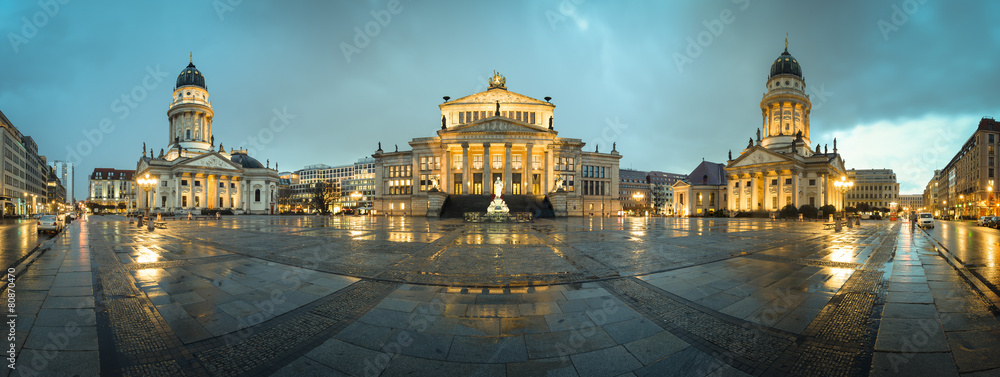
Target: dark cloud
[[609, 66]]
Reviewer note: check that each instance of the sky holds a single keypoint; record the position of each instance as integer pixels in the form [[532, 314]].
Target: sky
[[900, 84]]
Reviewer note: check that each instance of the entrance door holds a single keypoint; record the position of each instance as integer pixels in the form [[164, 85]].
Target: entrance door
[[515, 184], [477, 184], [458, 184]]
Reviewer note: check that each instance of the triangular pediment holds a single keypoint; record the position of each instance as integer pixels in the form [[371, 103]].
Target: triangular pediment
[[211, 160], [497, 95], [758, 156], [143, 165], [497, 124]]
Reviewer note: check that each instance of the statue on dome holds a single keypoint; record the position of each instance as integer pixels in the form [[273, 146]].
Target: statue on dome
[[550, 123], [213, 140], [498, 109], [758, 134], [498, 81], [443, 122]]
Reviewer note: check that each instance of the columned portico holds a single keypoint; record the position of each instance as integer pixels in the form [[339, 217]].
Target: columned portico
[[487, 170], [506, 169]]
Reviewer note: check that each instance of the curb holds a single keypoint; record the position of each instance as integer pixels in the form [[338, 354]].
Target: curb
[[984, 290]]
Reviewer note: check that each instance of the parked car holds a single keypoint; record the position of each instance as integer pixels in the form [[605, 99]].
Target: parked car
[[982, 220], [50, 223], [992, 221], [925, 220]]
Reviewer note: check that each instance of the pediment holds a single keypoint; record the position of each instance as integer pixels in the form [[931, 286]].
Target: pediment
[[497, 124], [211, 160], [143, 165], [493, 95], [758, 156]]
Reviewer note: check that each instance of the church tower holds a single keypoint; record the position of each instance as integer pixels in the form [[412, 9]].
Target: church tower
[[785, 106], [190, 113]]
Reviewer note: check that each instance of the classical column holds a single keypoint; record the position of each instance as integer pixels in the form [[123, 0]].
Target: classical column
[[210, 191], [548, 176], [822, 190], [754, 196], [506, 169], [177, 191], [781, 191], [487, 172], [445, 171], [528, 171], [795, 189], [466, 188]]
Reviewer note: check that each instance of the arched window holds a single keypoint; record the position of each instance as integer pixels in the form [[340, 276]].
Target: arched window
[[256, 195], [188, 135]]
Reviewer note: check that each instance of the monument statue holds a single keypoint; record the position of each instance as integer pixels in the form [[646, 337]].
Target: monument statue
[[758, 134], [559, 185], [497, 204], [144, 149], [750, 144], [442, 122]]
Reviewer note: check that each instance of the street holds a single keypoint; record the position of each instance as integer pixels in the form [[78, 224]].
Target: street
[[975, 246], [17, 238]]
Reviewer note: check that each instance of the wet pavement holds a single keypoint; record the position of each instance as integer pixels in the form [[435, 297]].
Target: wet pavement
[[976, 247], [17, 238], [294, 296]]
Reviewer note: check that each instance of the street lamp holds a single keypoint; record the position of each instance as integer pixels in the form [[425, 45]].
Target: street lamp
[[638, 198], [146, 183], [843, 185]]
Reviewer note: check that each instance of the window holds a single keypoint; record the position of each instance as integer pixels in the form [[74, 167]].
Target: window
[[812, 182], [477, 161], [711, 199], [184, 201], [991, 139], [164, 184], [536, 161], [774, 182], [461, 117], [532, 118], [788, 181], [457, 162], [497, 161], [197, 183], [188, 134], [184, 182], [698, 199], [256, 195], [515, 161]]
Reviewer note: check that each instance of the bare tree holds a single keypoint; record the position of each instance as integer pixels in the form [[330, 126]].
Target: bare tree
[[324, 195]]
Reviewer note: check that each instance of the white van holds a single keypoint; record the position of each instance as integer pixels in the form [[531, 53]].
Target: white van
[[925, 220]]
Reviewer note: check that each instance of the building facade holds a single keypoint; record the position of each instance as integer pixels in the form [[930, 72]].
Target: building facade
[[56, 193], [634, 191], [67, 175], [352, 185], [966, 187], [112, 190], [661, 187], [911, 203], [24, 188], [192, 174], [931, 202], [702, 193], [778, 167], [496, 135], [874, 188]]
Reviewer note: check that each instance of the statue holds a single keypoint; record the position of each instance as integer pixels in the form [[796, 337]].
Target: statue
[[824, 149], [758, 134], [798, 136], [221, 148], [834, 145], [161, 153], [559, 185], [397, 147], [730, 155], [597, 148], [434, 185], [213, 140], [817, 148], [498, 109], [144, 149], [550, 122], [276, 165], [150, 153], [380, 145], [750, 144], [614, 147], [268, 163], [497, 204], [442, 122]]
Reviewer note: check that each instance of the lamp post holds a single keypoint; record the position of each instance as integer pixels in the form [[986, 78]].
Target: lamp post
[[843, 185], [638, 198], [146, 183]]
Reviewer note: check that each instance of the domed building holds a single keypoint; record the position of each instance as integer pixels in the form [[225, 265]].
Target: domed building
[[489, 136], [778, 166], [192, 173]]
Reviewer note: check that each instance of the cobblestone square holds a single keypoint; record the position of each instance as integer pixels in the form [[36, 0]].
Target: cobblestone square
[[370, 296]]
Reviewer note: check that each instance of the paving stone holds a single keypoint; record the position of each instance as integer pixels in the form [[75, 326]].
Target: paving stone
[[568, 321], [345, 357], [687, 362], [975, 350], [523, 325], [69, 337], [910, 297], [405, 306], [423, 345], [565, 343], [63, 317], [911, 311], [365, 335], [631, 330], [605, 362], [911, 335], [306, 367], [650, 349], [555, 367], [403, 365], [913, 364], [66, 363], [474, 349]]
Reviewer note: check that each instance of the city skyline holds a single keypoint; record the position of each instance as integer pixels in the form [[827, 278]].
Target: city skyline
[[327, 82]]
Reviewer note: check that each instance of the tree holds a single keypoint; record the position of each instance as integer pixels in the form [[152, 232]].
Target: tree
[[808, 211], [284, 197], [324, 194], [864, 207], [789, 211], [828, 210], [851, 209]]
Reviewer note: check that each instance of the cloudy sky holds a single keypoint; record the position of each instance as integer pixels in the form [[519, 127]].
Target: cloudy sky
[[900, 84]]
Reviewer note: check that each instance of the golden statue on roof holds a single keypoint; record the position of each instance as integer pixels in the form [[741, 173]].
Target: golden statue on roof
[[498, 81]]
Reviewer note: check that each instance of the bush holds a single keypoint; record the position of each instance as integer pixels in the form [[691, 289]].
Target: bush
[[212, 212], [789, 211], [754, 214], [828, 210], [808, 211]]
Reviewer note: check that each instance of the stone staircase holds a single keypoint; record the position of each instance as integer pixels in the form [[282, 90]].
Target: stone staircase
[[457, 205]]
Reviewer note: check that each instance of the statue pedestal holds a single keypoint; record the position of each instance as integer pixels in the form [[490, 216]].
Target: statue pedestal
[[435, 200], [558, 200]]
